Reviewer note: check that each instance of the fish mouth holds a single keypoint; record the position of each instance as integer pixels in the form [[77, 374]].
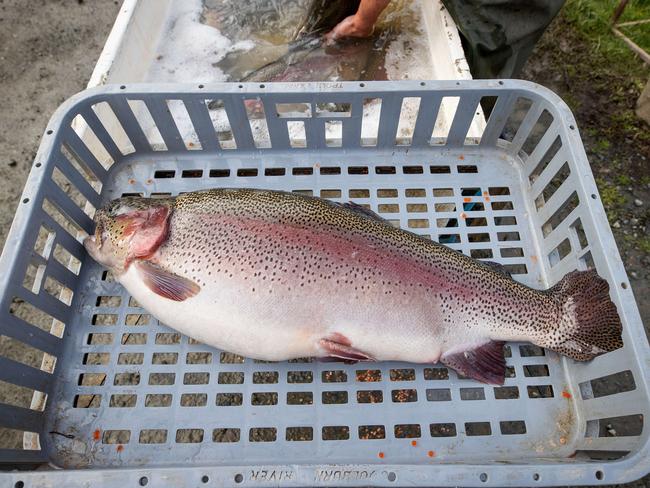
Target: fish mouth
[[90, 243], [93, 243]]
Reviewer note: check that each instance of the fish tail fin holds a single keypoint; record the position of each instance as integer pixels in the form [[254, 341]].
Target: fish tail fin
[[590, 324]]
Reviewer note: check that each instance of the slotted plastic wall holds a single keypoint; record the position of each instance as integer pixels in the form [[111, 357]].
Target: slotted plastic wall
[[95, 382]]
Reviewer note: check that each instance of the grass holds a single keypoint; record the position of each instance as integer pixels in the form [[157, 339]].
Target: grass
[[624, 180], [639, 34], [644, 244], [608, 70], [612, 198], [593, 18]]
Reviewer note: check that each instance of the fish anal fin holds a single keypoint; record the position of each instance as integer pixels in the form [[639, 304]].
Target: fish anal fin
[[337, 346], [484, 363], [498, 267], [165, 283], [332, 359]]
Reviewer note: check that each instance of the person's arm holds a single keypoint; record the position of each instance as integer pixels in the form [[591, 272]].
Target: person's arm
[[360, 24]]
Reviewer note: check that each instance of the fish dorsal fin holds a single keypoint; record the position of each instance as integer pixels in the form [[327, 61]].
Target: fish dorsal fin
[[498, 267], [361, 210], [165, 283], [484, 363]]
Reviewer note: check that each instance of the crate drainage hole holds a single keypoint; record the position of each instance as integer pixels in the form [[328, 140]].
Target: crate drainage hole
[[483, 477], [205, 479], [392, 476], [19, 484], [239, 478], [143, 481], [536, 477], [624, 286], [600, 475], [593, 195]]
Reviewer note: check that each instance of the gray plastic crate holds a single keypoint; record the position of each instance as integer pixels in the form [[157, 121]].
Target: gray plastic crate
[[99, 384]]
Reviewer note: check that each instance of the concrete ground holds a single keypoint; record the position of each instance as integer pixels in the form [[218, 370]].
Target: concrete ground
[[47, 51]]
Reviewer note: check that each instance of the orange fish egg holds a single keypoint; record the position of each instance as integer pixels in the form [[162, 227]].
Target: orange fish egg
[[414, 443], [566, 394], [431, 454], [381, 455], [96, 435]]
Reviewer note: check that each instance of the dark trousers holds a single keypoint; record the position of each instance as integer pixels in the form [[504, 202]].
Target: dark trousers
[[499, 35]]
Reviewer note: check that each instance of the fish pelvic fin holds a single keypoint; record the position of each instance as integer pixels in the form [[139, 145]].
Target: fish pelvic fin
[[484, 363], [589, 325], [165, 283], [338, 346]]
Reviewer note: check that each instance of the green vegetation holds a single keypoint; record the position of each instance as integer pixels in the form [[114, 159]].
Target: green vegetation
[[639, 34], [611, 197], [593, 17], [602, 145], [611, 73], [644, 244], [640, 243], [624, 180]]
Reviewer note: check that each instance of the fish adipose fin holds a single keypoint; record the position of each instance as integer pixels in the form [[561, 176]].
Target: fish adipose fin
[[484, 363], [590, 324], [338, 346], [361, 210], [165, 283], [498, 267]]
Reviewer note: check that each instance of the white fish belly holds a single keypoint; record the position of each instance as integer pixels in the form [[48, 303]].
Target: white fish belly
[[275, 327]]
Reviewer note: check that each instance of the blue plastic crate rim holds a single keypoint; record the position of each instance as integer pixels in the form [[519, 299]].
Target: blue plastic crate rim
[[113, 397]]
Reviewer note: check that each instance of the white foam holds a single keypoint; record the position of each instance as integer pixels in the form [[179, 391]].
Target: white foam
[[189, 49]]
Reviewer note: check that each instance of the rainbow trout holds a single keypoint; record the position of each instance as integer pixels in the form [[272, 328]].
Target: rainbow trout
[[275, 276]]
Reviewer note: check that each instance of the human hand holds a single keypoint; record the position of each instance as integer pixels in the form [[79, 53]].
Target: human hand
[[351, 26]]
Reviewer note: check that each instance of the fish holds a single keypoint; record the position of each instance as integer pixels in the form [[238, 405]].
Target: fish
[[308, 56], [303, 54], [274, 276], [312, 60]]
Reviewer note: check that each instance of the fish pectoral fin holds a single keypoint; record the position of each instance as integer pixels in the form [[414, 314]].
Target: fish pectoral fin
[[343, 351], [484, 363], [165, 283]]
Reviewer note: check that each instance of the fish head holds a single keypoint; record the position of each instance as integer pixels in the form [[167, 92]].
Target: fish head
[[126, 229]]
